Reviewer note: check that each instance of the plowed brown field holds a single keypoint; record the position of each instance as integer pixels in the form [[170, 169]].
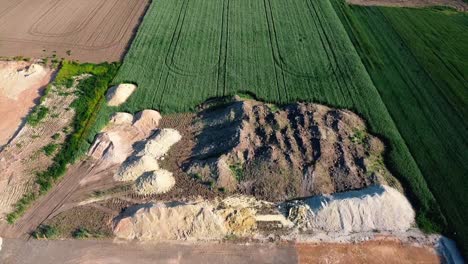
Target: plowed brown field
[[92, 30]]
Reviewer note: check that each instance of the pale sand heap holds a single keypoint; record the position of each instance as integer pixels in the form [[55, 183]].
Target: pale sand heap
[[379, 208], [157, 182], [119, 94], [161, 144], [114, 143], [14, 81], [163, 222], [136, 167]]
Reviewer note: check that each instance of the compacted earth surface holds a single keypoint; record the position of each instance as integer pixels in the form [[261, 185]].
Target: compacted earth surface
[[92, 251]]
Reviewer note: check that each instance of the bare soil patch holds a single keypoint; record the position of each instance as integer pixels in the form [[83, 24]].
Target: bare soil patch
[[460, 5], [378, 251], [20, 87], [86, 30]]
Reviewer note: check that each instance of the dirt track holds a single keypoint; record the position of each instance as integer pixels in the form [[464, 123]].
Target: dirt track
[[92, 30], [105, 251]]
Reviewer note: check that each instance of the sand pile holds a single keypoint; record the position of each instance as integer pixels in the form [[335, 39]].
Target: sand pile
[[119, 94], [205, 220], [136, 167], [115, 142], [379, 208], [161, 144], [143, 166], [280, 153], [165, 222], [14, 80], [156, 182]]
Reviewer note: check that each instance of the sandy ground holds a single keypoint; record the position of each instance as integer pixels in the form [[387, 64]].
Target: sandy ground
[[105, 251], [92, 30], [69, 251], [460, 5], [367, 252], [13, 109]]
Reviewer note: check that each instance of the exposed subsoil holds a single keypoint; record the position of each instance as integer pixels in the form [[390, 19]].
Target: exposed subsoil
[[18, 95], [378, 251], [277, 153], [460, 5]]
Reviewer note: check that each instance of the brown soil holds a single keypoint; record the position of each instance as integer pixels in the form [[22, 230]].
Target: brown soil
[[378, 251], [13, 111], [460, 5], [276, 154], [92, 30], [95, 219]]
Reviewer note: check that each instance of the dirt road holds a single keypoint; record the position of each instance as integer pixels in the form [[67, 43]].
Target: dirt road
[[76, 251], [52, 202], [106, 251]]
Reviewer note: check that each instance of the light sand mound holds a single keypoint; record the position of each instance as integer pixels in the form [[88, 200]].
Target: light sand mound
[[115, 142], [147, 119], [136, 167], [14, 80], [157, 182], [165, 222], [119, 94], [161, 144], [121, 118], [379, 208]]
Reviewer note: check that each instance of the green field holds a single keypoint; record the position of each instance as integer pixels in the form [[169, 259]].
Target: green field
[[404, 70], [418, 60]]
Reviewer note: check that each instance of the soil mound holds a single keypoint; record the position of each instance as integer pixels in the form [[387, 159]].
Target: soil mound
[[165, 222], [380, 208], [115, 142], [157, 182], [204, 220], [161, 144], [119, 94], [277, 153], [136, 167]]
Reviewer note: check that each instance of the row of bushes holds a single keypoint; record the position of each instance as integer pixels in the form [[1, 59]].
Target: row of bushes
[[90, 93]]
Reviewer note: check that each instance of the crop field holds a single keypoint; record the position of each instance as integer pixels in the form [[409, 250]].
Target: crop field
[[418, 61], [281, 51], [86, 30]]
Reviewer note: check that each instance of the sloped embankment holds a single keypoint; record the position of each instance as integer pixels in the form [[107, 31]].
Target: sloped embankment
[[274, 153]]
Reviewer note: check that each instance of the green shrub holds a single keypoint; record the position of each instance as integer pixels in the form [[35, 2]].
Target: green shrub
[[37, 115], [46, 232], [50, 149]]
